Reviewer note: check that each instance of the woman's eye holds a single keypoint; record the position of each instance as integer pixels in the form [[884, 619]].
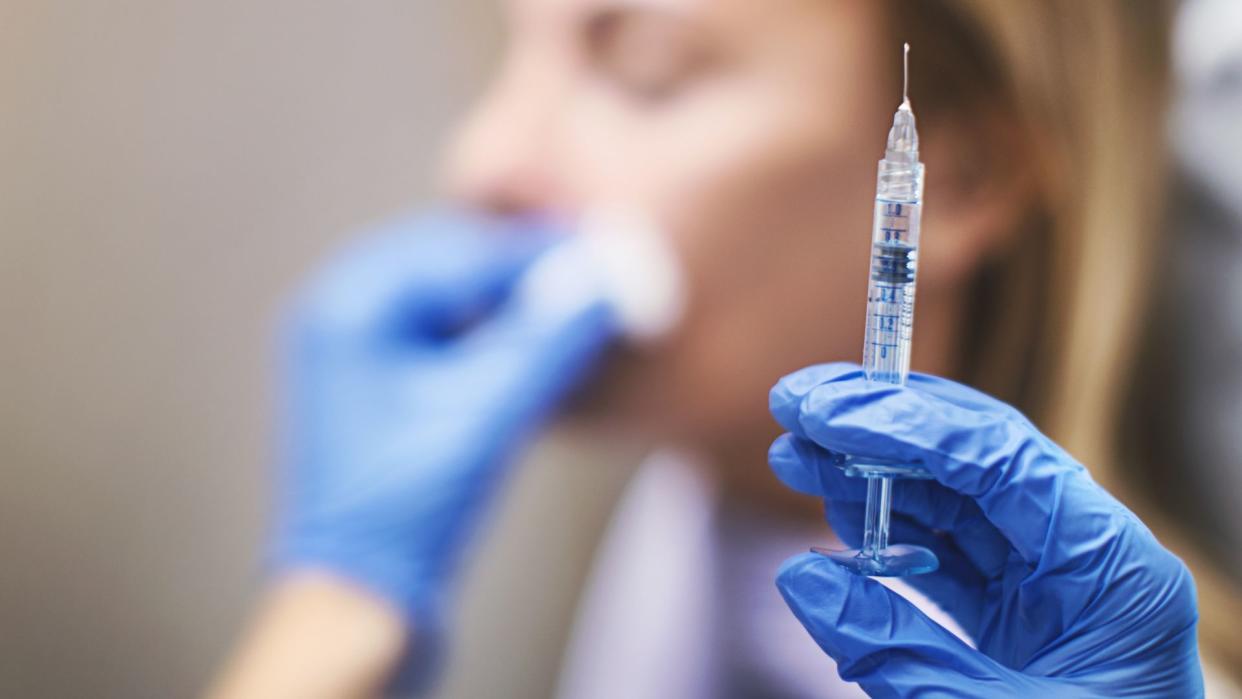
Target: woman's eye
[[649, 55]]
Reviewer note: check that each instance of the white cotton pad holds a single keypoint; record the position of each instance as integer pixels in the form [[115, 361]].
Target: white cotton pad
[[621, 258]]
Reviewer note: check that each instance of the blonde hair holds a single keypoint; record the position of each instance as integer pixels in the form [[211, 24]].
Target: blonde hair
[[1087, 82]]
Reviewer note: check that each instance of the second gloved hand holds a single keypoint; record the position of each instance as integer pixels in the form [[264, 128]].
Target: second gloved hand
[[414, 371], [1065, 592]]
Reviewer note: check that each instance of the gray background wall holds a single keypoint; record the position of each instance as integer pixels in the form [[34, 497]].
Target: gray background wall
[[168, 168]]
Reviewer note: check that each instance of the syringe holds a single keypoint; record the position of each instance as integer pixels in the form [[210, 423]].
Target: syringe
[[886, 352]]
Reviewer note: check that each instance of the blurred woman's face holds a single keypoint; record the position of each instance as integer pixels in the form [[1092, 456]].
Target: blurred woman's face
[[749, 130]]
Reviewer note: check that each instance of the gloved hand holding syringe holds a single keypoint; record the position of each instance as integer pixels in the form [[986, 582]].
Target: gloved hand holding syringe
[[1061, 590]]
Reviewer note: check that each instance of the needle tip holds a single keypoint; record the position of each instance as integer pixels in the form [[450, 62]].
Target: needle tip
[[905, 80]]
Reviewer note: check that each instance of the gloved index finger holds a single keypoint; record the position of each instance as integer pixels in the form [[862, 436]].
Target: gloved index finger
[[427, 273], [785, 398], [960, 394], [1025, 485]]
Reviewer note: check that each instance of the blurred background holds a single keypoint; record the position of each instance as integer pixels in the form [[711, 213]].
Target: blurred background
[[168, 170]]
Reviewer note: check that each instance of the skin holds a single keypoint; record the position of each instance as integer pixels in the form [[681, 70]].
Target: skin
[[314, 636], [749, 130]]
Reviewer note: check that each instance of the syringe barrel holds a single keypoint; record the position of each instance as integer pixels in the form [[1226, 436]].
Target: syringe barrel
[[894, 265], [900, 178]]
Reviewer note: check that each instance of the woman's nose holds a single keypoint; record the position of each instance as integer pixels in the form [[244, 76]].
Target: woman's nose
[[506, 186], [504, 161]]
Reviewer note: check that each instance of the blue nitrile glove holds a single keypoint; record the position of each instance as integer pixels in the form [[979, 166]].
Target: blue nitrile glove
[[414, 372], [1064, 590]]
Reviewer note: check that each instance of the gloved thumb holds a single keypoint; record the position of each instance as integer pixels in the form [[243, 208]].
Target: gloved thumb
[[883, 642]]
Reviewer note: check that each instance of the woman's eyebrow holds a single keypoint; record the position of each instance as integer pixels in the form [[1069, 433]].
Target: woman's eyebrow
[[608, 11], [670, 6], [602, 20]]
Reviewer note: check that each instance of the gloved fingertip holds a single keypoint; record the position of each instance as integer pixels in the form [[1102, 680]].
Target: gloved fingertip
[[833, 396], [791, 467], [816, 590], [799, 383], [780, 398], [785, 398], [804, 466], [783, 449], [821, 404], [877, 638], [810, 578]]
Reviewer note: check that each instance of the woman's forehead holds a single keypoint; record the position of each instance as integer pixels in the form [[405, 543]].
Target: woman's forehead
[[573, 12], [561, 7], [744, 15]]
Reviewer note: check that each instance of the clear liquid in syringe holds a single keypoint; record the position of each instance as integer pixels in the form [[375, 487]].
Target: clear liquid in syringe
[[890, 293]]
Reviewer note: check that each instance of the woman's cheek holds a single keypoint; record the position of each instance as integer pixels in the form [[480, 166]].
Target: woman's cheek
[[743, 197], [750, 188], [694, 167]]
